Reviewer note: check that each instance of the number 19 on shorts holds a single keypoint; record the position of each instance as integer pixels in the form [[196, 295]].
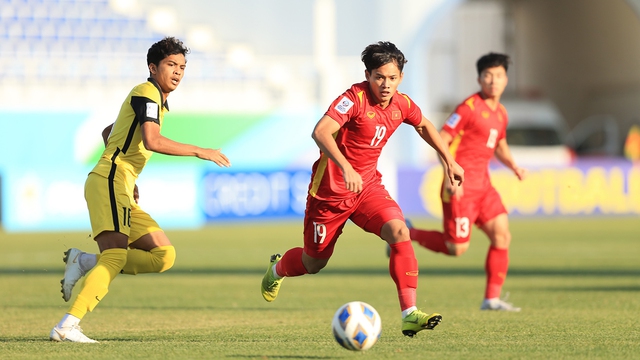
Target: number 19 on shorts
[[319, 232]]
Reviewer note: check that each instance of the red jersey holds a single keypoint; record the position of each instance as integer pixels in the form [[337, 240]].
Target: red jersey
[[365, 129], [476, 130]]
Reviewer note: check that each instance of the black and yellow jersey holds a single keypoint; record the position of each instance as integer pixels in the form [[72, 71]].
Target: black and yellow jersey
[[125, 150]]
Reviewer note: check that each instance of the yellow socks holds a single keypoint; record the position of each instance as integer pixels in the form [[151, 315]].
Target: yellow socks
[[96, 284], [157, 260], [113, 261]]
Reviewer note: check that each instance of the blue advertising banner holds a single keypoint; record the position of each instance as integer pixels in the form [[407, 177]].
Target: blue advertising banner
[[253, 195]]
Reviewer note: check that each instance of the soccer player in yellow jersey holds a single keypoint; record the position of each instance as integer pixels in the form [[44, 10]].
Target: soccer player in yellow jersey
[[129, 240]]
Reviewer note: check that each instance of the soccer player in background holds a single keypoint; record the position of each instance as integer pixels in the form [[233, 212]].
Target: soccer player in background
[[129, 240], [346, 185], [474, 133]]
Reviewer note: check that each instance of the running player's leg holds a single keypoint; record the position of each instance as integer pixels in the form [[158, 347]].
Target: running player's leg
[[323, 223], [378, 213], [495, 223], [96, 285], [458, 216], [109, 206], [151, 251]]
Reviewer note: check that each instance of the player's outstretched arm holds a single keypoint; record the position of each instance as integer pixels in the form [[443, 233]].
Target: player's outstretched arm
[[323, 136], [155, 142], [429, 133], [503, 154]]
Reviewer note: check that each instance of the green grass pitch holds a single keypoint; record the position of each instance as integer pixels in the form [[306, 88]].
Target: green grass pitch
[[577, 280]]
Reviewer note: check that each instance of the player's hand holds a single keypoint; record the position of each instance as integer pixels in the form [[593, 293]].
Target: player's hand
[[455, 189], [455, 173], [216, 156], [521, 173], [352, 180], [136, 194]]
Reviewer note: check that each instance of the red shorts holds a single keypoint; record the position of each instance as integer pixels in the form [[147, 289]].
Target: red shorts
[[476, 208], [324, 220]]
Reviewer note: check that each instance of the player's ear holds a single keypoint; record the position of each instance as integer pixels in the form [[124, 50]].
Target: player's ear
[[153, 69], [367, 74]]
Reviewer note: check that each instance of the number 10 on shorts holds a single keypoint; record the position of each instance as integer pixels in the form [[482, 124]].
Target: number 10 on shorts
[[319, 232]]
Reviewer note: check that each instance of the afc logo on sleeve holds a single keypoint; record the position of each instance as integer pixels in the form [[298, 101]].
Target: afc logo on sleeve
[[453, 120], [152, 110], [344, 105]]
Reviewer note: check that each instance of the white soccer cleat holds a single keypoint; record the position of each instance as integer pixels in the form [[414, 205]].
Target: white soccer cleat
[[72, 272], [498, 305], [70, 334]]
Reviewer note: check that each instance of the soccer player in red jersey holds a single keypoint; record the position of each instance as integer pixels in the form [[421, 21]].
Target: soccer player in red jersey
[[346, 185], [475, 132]]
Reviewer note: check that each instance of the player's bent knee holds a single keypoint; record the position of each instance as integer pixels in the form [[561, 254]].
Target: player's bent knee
[[314, 267], [457, 249], [166, 256], [501, 241]]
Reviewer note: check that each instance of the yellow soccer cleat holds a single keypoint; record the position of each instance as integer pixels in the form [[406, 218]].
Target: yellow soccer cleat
[[270, 285], [418, 321]]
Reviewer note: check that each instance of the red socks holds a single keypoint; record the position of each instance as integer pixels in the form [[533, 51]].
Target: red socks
[[496, 268], [291, 263], [432, 240], [403, 268]]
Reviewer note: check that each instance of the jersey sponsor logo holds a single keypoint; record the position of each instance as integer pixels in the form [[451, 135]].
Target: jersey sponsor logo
[[485, 114], [371, 114], [412, 273], [396, 115], [152, 110], [453, 120], [344, 105]]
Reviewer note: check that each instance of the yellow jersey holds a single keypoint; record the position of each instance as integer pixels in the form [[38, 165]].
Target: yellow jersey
[[125, 153]]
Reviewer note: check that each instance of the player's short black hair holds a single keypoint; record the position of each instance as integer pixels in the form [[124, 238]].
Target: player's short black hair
[[492, 60], [165, 47], [382, 53]]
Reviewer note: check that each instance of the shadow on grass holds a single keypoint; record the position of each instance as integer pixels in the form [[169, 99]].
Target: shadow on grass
[[383, 271], [281, 357], [628, 288]]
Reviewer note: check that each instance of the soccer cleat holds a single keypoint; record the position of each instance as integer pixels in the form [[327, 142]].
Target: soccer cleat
[[70, 334], [270, 285], [498, 305], [72, 272], [410, 226], [418, 321]]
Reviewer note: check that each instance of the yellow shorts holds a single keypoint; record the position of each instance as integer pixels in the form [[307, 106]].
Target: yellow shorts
[[112, 208]]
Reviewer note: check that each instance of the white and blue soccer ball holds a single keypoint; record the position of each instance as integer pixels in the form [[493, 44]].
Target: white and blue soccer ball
[[356, 326]]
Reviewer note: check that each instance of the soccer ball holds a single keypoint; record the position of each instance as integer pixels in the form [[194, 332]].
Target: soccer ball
[[356, 326]]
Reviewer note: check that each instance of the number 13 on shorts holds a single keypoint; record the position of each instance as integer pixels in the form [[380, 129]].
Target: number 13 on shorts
[[462, 227], [319, 233]]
